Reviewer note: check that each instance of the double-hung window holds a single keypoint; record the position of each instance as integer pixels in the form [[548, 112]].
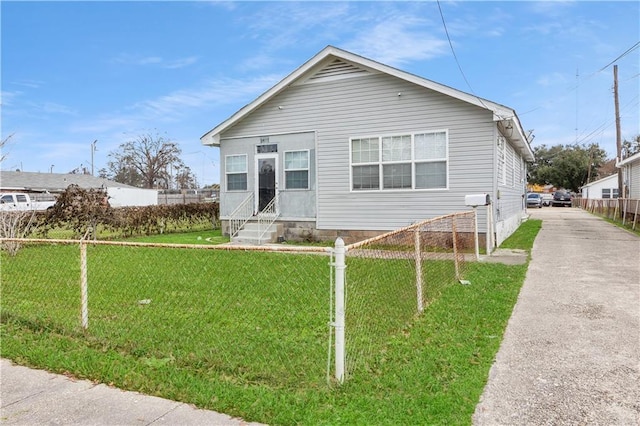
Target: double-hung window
[[296, 169], [236, 172], [397, 162]]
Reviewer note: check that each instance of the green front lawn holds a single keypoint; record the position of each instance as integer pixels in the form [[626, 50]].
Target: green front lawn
[[246, 333]]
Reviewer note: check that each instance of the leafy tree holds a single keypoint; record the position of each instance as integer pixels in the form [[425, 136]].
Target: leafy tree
[[566, 166], [145, 162]]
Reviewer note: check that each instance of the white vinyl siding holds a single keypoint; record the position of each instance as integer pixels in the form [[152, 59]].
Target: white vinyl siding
[[296, 169], [502, 161], [399, 162], [369, 105], [510, 166], [236, 172]]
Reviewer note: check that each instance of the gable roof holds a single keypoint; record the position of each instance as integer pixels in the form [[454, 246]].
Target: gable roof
[[332, 62], [605, 179], [53, 182]]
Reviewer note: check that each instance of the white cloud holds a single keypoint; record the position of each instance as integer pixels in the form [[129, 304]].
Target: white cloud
[[398, 42], [32, 84], [178, 104], [6, 98], [140, 60], [221, 91], [551, 79]]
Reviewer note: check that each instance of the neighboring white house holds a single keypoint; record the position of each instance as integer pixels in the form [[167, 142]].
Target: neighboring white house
[[603, 188], [352, 147], [631, 175], [120, 195]]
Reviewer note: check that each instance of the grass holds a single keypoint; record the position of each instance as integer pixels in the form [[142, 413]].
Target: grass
[[628, 226], [208, 236], [246, 333], [525, 235]]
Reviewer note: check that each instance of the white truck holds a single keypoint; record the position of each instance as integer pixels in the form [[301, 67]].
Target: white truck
[[20, 201]]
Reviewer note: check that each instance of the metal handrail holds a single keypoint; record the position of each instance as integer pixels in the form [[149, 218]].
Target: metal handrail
[[241, 215], [267, 216]]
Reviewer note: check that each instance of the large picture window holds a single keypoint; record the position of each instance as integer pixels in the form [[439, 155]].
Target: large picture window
[[236, 172], [410, 161], [296, 169]]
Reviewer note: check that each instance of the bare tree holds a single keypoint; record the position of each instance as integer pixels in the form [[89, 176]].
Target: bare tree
[[185, 179], [146, 162], [16, 224], [631, 147], [3, 145]]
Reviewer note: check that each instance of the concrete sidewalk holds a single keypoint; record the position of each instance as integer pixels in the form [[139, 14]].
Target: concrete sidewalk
[[571, 351], [36, 397]]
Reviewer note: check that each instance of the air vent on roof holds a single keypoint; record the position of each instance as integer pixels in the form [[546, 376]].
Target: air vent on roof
[[337, 69]]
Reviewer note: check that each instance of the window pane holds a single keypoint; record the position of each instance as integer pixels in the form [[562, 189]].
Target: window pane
[[236, 164], [431, 146], [297, 179], [431, 175], [396, 176], [237, 182], [296, 160], [365, 150], [396, 148], [366, 177]]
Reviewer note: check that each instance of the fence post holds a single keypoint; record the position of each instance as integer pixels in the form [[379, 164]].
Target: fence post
[[418, 256], [83, 285], [454, 234], [340, 308], [475, 232]]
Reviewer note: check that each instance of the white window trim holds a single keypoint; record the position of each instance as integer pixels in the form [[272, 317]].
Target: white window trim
[[380, 163], [308, 169], [226, 173]]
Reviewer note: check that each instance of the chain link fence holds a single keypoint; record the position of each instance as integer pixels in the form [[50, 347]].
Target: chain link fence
[[254, 315], [392, 278]]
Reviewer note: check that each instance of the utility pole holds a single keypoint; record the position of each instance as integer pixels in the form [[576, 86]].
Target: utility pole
[[93, 149], [618, 141]]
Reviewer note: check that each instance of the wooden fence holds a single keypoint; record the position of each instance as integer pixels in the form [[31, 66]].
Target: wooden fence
[[622, 209]]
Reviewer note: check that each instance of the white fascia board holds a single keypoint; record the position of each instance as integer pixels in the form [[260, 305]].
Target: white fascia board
[[212, 137], [500, 112], [628, 160]]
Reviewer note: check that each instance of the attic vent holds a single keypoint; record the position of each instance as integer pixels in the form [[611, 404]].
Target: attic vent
[[337, 69]]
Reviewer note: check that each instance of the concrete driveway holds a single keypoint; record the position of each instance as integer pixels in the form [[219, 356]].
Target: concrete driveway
[[571, 351]]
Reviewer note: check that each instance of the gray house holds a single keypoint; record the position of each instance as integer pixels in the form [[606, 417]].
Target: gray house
[[346, 146]]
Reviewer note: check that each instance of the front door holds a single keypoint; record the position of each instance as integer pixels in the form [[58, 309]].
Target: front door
[[267, 180]]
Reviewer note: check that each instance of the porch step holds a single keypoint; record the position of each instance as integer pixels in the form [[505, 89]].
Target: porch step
[[250, 234]]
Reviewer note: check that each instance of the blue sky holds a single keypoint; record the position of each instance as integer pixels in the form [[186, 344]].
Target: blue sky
[[75, 72]]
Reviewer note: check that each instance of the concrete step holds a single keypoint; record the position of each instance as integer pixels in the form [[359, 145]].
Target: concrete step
[[250, 234]]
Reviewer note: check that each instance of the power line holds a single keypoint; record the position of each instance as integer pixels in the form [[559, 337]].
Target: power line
[[629, 50], [444, 24]]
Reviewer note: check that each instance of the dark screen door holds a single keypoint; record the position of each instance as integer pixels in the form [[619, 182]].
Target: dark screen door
[[266, 181]]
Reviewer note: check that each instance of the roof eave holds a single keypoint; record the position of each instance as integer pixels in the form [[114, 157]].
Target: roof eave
[[628, 160], [500, 112]]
